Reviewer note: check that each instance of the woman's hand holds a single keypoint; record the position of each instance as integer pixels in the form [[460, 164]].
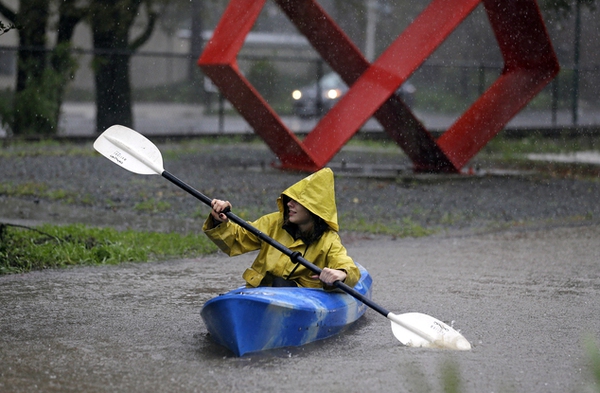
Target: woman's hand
[[219, 208], [329, 276]]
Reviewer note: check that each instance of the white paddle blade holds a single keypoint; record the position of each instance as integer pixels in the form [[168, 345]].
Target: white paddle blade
[[130, 150], [421, 330]]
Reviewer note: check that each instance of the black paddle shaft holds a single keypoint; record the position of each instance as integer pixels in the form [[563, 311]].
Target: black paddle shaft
[[294, 256]]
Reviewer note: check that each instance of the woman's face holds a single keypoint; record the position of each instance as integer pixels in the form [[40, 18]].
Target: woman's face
[[299, 215]]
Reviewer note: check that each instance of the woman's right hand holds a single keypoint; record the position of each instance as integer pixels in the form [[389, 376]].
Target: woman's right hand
[[219, 208]]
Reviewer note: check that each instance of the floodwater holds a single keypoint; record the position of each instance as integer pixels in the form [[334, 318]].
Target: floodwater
[[525, 298]]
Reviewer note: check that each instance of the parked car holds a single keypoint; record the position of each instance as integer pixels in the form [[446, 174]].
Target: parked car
[[306, 104]]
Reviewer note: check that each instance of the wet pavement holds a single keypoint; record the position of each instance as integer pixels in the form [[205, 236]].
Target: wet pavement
[[526, 298]]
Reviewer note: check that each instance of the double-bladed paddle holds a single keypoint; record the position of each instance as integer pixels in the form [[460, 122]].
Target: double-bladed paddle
[[134, 152]]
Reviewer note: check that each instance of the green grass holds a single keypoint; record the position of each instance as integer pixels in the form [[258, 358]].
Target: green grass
[[23, 249], [593, 355], [42, 190], [44, 148], [152, 206], [23, 189]]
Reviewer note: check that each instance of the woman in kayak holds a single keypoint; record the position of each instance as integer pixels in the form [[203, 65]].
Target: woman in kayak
[[306, 223]]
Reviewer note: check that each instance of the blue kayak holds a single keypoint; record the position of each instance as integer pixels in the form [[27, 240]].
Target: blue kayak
[[255, 319]]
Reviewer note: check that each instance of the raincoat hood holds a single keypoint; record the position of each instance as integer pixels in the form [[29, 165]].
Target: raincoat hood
[[316, 193]]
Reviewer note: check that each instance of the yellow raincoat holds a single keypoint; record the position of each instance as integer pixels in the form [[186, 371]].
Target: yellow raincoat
[[315, 193]]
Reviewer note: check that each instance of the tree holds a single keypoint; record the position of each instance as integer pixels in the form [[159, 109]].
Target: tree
[[62, 60], [111, 23], [41, 73]]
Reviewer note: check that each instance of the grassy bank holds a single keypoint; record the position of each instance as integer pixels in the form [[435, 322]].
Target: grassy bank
[[23, 249]]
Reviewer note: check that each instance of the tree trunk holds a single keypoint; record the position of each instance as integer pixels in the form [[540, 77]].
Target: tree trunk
[[32, 19], [42, 75], [62, 61], [111, 22], [113, 92], [31, 114]]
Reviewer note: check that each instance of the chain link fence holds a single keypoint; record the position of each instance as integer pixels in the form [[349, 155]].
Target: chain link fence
[[439, 92]]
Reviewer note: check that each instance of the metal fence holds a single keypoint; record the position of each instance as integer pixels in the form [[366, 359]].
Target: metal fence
[[442, 91]]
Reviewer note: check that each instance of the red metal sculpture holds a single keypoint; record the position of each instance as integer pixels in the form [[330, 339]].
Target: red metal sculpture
[[529, 64]]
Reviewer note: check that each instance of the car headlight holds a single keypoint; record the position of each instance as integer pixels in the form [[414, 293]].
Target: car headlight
[[296, 94], [332, 94]]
